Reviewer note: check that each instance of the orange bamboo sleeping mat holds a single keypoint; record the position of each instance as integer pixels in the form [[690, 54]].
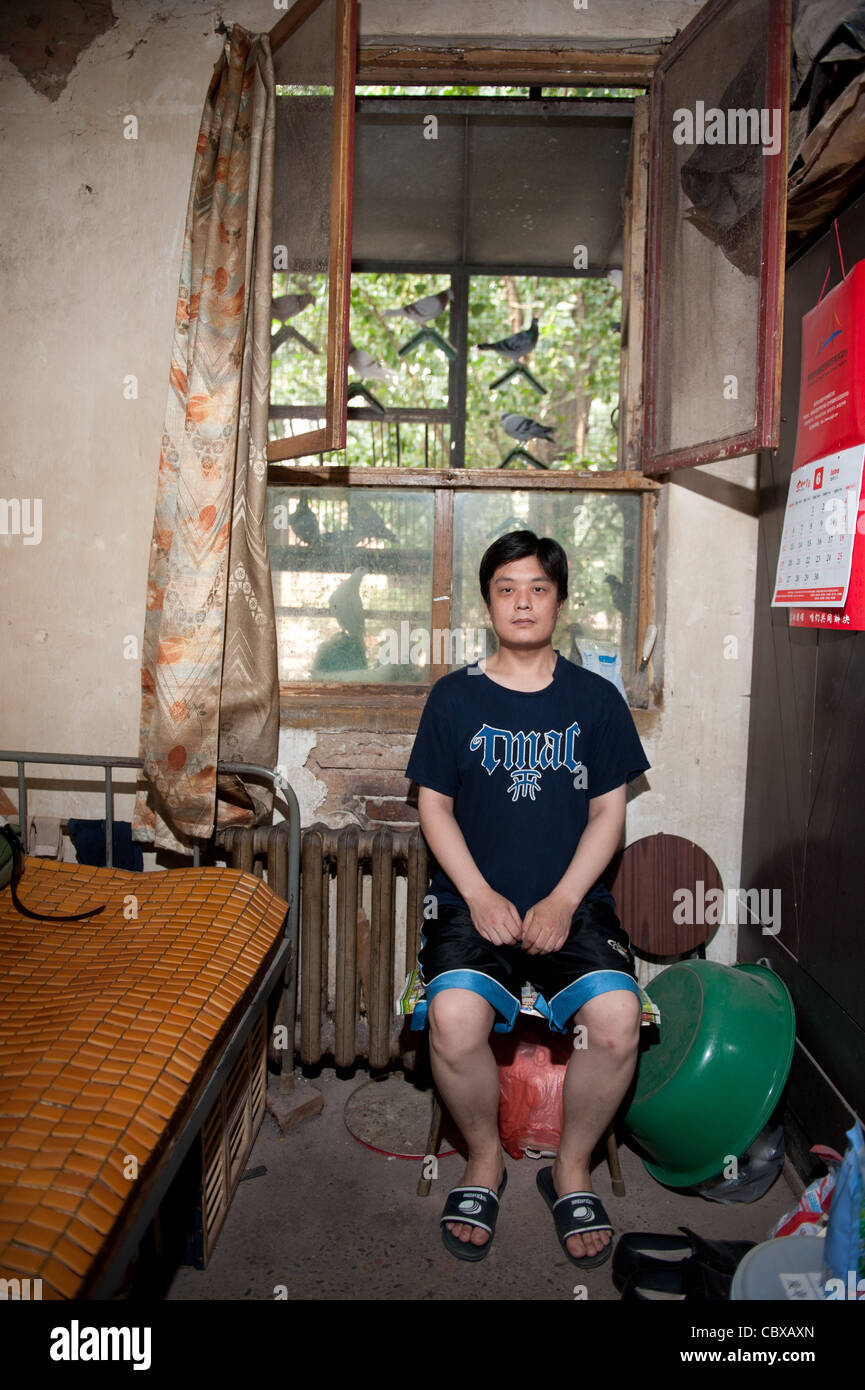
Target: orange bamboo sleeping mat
[[107, 1027]]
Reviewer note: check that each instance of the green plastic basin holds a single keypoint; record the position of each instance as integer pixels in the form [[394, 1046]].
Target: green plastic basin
[[707, 1087]]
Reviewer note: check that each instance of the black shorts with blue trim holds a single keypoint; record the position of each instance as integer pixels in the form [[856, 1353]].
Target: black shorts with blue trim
[[595, 959]]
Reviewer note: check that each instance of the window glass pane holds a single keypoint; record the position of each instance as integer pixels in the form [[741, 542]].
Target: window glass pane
[[303, 162], [600, 535], [714, 239], [575, 360], [352, 582], [298, 337]]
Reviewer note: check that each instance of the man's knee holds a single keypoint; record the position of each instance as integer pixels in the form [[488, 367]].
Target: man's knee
[[459, 1021], [612, 1023]]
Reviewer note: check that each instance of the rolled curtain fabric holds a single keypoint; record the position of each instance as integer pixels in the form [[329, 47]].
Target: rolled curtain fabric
[[209, 684]]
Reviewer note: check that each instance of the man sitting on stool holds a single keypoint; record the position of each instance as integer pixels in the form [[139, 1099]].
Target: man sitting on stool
[[522, 761]]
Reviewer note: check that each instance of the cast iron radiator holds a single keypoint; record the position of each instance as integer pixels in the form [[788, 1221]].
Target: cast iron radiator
[[361, 911]]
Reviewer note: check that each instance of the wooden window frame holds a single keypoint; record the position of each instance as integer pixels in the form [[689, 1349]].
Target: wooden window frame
[[766, 430], [333, 434], [500, 67], [321, 705]]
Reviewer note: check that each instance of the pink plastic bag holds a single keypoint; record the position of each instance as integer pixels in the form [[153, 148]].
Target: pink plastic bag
[[531, 1063]]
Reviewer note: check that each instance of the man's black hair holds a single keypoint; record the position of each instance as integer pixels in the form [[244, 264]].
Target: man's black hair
[[517, 545]]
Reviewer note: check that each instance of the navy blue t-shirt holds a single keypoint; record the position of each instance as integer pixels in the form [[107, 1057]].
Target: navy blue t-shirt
[[521, 767]]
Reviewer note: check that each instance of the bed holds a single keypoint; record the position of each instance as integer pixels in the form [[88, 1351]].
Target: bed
[[118, 1035]]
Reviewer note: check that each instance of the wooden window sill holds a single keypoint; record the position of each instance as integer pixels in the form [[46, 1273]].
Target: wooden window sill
[[395, 708]]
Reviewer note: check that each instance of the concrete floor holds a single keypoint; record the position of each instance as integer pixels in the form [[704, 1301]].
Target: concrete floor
[[331, 1219]]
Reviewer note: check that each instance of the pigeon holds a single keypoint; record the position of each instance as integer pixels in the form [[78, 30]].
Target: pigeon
[[618, 592], [515, 347], [582, 523], [287, 305], [365, 523], [423, 310], [339, 652], [304, 522], [368, 366], [345, 605], [522, 428]]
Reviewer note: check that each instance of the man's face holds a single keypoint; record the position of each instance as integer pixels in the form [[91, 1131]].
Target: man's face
[[524, 604]]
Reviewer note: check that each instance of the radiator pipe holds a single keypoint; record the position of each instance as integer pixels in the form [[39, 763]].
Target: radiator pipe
[[345, 1039], [311, 936], [381, 1005]]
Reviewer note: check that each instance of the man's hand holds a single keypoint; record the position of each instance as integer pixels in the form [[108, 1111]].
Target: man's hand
[[546, 926], [495, 918]]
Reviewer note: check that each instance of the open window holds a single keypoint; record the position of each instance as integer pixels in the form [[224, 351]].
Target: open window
[[372, 553], [314, 49], [720, 98], [503, 208]]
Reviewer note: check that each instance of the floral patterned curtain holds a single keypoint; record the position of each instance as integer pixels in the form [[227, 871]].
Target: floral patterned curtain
[[209, 687]]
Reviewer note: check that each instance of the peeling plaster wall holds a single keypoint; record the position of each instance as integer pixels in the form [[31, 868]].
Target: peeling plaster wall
[[45, 41], [295, 747], [91, 236], [90, 230]]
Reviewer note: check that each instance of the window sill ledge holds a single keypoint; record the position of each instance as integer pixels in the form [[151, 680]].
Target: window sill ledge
[[395, 708]]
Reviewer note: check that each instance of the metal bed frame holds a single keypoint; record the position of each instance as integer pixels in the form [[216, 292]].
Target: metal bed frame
[[106, 1281]]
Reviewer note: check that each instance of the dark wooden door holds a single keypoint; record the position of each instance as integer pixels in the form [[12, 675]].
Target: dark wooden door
[[804, 824]]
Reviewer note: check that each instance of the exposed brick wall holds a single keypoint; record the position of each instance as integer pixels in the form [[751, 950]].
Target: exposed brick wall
[[395, 812], [364, 776], [45, 40]]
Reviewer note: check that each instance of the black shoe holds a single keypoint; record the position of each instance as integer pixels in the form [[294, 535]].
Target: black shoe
[[638, 1253]]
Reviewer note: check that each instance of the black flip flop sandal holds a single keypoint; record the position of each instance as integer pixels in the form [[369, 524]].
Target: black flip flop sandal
[[472, 1206], [575, 1214]]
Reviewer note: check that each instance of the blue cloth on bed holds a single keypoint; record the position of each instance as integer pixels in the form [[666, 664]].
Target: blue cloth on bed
[[88, 837]]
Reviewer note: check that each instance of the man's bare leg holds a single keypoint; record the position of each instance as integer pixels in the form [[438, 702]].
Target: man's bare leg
[[467, 1079], [596, 1079]]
